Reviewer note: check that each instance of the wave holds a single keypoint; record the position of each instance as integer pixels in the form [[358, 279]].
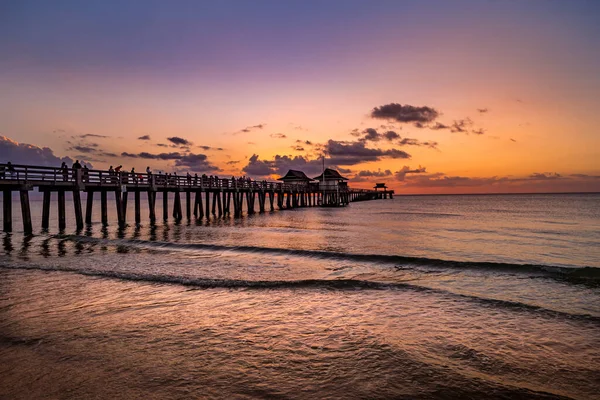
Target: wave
[[328, 284], [589, 275]]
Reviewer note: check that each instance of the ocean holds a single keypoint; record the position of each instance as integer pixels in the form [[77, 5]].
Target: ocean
[[419, 297]]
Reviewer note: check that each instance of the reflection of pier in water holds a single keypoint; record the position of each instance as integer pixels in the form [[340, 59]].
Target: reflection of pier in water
[[198, 191]]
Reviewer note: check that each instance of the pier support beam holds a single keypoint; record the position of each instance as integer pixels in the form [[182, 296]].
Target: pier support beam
[[165, 206], [62, 222], [188, 205], [177, 214], [199, 205], [7, 210], [46, 210], [138, 212], [89, 205], [103, 207], [207, 205], [26, 212], [152, 207], [119, 197], [77, 209]]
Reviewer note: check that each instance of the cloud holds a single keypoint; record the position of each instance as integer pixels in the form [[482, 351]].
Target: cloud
[[416, 142], [298, 148], [145, 137], [351, 153], [251, 128], [85, 149], [513, 140], [162, 145], [461, 125], [482, 110], [179, 141], [278, 135], [401, 174], [306, 142], [150, 156], [89, 135], [479, 131], [207, 148], [232, 162], [371, 135], [405, 113], [29, 154], [438, 126], [544, 175], [196, 163], [377, 174], [279, 165]]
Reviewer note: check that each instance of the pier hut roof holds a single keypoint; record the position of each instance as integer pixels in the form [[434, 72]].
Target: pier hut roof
[[330, 175], [295, 176], [380, 186]]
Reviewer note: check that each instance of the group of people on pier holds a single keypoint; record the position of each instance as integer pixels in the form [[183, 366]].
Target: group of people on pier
[[116, 175]]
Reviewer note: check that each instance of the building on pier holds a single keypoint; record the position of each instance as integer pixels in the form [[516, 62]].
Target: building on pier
[[295, 177], [331, 180]]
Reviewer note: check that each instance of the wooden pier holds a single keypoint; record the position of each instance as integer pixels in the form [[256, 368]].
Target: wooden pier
[[205, 197]]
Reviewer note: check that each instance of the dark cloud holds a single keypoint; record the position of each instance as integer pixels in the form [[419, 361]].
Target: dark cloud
[[401, 174], [179, 141], [545, 175], [85, 149], [461, 125], [207, 148], [22, 153], [479, 131], [279, 165], [150, 156], [391, 135], [278, 135], [298, 148], [416, 142], [482, 110], [196, 163], [376, 174], [145, 137], [438, 126], [351, 153], [405, 113], [513, 140], [162, 145], [371, 135], [232, 162], [91, 135], [251, 128]]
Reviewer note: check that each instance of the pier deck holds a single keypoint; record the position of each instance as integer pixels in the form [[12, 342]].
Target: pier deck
[[225, 193]]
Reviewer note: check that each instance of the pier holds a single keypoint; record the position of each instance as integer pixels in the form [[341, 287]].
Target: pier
[[204, 197]]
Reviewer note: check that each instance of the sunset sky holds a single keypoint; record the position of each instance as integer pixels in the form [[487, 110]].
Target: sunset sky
[[428, 96]]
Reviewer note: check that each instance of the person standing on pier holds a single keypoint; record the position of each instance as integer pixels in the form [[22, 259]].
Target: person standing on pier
[[76, 167], [65, 171]]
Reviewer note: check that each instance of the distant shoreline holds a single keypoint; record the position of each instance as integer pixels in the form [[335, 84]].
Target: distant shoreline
[[492, 194]]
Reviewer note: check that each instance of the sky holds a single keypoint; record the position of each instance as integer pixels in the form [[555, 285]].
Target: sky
[[426, 96]]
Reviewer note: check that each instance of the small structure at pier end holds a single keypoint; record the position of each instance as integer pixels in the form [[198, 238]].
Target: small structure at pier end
[[295, 177]]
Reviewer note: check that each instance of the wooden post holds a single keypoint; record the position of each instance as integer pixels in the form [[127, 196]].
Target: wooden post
[[103, 207], [177, 207], [151, 206], [219, 205], [89, 205], [165, 205], [288, 200], [224, 196], [214, 204], [7, 206], [77, 209], [138, 212], [46, 210], [199, 203], [26, 212], [207, 204], [188, 205], [250, 202], [124, 197], [120, 209], [271, 199], [62, 223]]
